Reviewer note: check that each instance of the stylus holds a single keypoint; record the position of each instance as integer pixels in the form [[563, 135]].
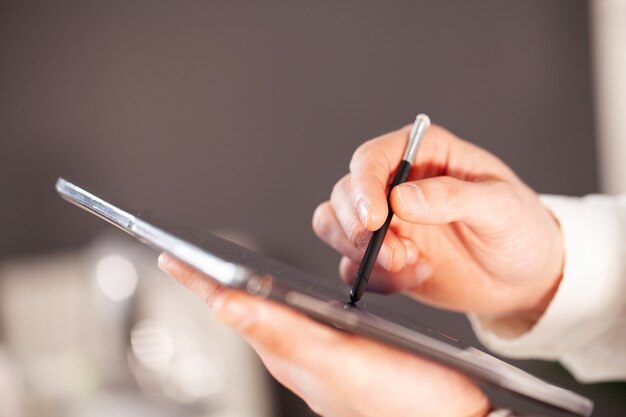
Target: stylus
[[373, 248]]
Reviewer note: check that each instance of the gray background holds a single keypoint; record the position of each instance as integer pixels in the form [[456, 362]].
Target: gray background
[[234, 115]]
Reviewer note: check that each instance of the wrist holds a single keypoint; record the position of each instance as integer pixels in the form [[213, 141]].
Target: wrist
[[554, 273]]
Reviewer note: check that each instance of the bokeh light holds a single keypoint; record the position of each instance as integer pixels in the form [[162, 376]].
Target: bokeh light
[[116, 277]]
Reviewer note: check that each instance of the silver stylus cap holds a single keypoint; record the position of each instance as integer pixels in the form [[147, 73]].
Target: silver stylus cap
[[415, 137]]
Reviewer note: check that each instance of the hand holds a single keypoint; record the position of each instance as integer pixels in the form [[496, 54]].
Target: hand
[[336, 373], [467, 233]]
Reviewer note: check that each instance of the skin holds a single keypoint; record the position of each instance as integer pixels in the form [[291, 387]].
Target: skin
[[468, 235]]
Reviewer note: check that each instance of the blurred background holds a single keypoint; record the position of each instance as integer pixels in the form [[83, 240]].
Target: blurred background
[[238, 117]]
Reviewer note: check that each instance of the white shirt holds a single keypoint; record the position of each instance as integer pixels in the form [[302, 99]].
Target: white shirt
[[584, 327]]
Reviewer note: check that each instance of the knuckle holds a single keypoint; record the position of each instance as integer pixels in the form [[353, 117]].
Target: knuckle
[[361, 152], [448, 184], [210, 295], [339, 189], [451, 190], [279, 345], [450, 197], [321, 216], [512, 200], [359, 236], [191, 278]]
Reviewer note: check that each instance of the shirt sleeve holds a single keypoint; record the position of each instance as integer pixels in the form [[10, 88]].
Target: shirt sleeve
[[584, 327]]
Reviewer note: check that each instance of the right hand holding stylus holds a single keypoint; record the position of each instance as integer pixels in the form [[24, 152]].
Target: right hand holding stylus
[[468, 234]]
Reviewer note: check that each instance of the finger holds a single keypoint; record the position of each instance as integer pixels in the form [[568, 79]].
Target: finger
[[348, 365], [344, 212], [327, 227], [295, 378], [441, 153], [384, 282], [203, 286], [370, 169], [443, 200], [392, 254], [374, 162], [318, 396]]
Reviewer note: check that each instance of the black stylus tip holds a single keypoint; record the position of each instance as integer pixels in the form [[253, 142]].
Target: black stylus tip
[[350, 306], [357, 290]]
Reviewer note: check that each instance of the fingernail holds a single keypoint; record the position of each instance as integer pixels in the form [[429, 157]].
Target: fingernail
[[411, 251], [412, 199], [363, 208], [387, 256], [163, 261], [234, 313], [423, 271]]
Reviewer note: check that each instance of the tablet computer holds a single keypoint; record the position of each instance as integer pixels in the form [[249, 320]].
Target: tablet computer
[[234, 266]]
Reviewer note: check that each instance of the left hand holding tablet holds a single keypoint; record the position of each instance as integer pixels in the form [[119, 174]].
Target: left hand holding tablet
[[336, 373]]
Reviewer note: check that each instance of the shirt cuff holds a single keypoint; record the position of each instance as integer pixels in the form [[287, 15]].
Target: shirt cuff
[[591, 290]]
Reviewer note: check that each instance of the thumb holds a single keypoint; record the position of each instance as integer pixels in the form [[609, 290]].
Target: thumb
[[442, 200]]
